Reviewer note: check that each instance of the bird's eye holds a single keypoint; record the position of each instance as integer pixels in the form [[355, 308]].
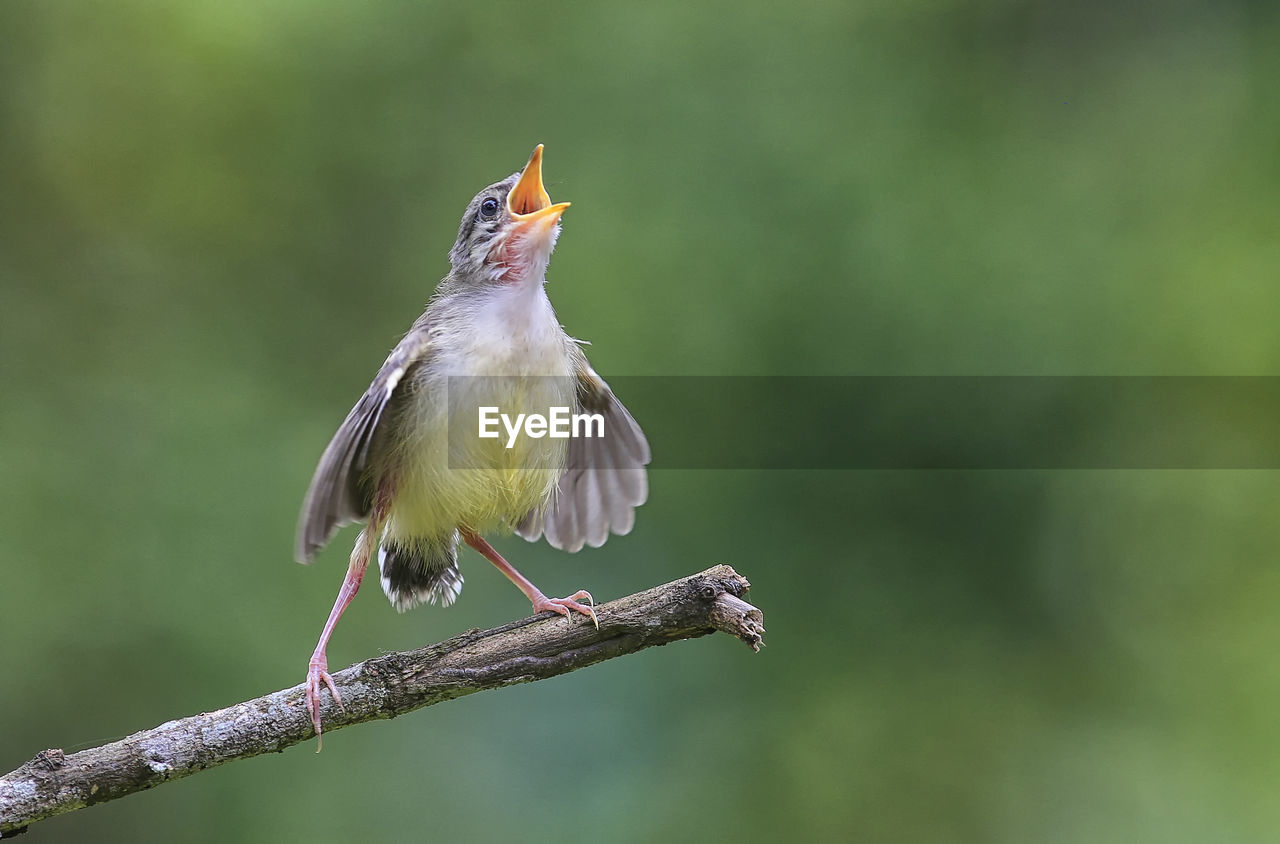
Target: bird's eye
[[489, 209]]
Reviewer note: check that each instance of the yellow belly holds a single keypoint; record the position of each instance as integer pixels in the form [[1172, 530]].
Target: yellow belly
[[446, 476]]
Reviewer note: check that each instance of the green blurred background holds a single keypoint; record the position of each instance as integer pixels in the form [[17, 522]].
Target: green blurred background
[[215, 219]]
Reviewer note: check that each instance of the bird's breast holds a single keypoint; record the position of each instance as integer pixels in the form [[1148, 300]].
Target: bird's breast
[[508, 353]]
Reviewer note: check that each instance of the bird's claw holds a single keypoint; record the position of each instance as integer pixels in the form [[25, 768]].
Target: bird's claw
[[564, 605], [319, 678]]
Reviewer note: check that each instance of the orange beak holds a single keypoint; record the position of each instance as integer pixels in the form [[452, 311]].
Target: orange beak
[[529, 203]]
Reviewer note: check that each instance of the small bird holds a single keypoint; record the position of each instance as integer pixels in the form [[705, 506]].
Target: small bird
[[410, 463]]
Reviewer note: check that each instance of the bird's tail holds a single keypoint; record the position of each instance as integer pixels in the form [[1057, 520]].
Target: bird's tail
[[420, 570]]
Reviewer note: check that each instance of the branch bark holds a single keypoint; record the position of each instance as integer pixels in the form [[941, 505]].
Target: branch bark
[[520, 652]]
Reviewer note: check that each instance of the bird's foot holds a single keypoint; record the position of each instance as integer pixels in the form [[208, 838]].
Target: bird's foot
[[563, 606], [318, 678]]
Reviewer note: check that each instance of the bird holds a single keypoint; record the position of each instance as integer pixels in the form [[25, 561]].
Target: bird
[[411, 464]]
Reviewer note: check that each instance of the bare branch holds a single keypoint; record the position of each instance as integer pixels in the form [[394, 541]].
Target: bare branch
[[532, 649]]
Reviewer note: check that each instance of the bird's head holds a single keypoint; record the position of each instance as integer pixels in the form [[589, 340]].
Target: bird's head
[[509, 230]]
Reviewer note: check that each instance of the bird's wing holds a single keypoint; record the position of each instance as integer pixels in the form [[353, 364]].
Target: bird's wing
[[604, 478], [339, 492]]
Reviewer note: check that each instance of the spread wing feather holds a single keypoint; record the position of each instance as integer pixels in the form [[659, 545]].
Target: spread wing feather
[[340, 493], [604, 478]]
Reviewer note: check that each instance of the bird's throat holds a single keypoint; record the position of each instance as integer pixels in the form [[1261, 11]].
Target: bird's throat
[[523, 256]]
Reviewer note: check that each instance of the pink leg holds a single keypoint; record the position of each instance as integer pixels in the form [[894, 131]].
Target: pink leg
[[540, 601], [318, 668]]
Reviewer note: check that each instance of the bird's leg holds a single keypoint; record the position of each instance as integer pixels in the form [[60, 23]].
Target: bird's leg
[[540, 601], [318, 668]]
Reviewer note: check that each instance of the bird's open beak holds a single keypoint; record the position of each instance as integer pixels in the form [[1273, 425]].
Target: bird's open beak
[[529, 203]]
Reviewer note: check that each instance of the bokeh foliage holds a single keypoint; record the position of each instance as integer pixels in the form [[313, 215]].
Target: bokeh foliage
[[215, 218]]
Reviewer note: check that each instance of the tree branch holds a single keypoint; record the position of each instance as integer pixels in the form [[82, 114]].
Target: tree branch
[[532, 649]]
